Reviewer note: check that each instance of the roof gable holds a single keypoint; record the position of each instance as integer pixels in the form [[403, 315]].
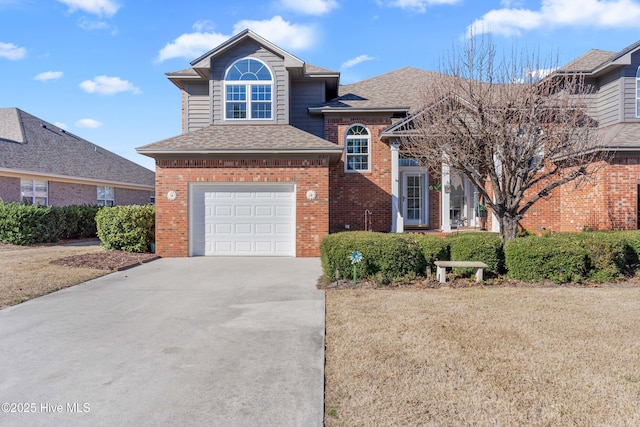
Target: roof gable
[[204, 61]]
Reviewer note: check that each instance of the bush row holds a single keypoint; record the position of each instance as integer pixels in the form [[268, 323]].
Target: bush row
[[127, 228], [564, 257], [25, 224]]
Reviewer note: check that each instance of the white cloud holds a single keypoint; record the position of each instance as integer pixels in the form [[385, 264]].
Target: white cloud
[[90, 25], [95, 7], [48, 75], [559, 13], [191, 45], [105, 85], [355, 61], [281, 32], [309, 7], [88, 123], [418, 5], [204, 25], [11, 51], [284, 34]]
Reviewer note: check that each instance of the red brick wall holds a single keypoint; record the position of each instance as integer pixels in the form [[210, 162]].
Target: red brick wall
[[172, 217], [68, 193], [353, 193], [606, 201]]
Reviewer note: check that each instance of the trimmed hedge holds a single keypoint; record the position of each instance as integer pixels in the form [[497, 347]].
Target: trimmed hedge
[[560, 258], [434, 248], [128, 228], [607, 254], [383, 254], [483, 247], [25, 224]]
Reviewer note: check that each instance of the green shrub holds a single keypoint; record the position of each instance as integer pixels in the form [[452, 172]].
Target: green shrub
[[632, 239], [25, 224], [434, 248], [560, 258], [607, 254], [483, 247], [77, 221], [390, 255], [127, 228]]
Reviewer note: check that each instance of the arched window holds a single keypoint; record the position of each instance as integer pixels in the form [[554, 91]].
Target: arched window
[[357, 149], [248, 86], [638, 92]]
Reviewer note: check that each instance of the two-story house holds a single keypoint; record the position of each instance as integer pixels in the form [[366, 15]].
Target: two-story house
[[275, 154]]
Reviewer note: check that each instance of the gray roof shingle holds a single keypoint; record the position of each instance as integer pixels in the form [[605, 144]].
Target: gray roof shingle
[[399, 89], [589, 61], [28, 143], [239, 138]]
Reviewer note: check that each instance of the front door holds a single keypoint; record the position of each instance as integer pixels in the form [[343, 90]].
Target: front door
[[413, 199]]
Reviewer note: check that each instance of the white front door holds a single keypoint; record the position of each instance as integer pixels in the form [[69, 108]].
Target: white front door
[[413, 198]]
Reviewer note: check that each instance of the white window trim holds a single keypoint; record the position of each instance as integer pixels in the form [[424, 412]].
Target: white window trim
[[103, 202], [637, 92], [248, 84], [33, 191], [346, 155]]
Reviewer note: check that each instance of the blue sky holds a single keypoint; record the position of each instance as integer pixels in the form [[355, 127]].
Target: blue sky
[[96, 67]]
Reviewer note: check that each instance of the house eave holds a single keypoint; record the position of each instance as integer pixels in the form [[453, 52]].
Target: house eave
[[23, 173], [165, 154], [325, 110]]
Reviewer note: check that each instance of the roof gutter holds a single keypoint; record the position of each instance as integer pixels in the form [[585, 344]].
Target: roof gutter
[[21, 173]]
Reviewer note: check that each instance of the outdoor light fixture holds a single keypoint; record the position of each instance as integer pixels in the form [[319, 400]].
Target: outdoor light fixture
[[172, 195]]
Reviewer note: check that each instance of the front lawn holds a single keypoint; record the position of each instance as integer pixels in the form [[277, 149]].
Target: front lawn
[[483, 356]]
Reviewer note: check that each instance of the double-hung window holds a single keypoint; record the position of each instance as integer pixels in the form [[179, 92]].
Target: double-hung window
[[357, 149], [34, 192], [106, 195], [248, 89]]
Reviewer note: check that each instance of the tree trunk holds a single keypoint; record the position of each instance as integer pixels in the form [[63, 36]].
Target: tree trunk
[[508, 227]]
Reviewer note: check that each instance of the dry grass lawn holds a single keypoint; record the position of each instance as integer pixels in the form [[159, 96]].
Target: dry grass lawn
[[26, 272], [484, 357]]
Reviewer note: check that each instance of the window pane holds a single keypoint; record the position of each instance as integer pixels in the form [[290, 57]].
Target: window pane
[[109, 193], [41, 201], [26, 187], [261, 110], [100, 190], [236, 110], [41, 189], [261, 93], [236, 93]]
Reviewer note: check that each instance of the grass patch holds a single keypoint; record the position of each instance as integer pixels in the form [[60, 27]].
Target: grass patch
[[478, 356], [26, 272]]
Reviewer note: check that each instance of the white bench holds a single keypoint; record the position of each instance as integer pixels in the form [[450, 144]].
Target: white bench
[[441, 268]]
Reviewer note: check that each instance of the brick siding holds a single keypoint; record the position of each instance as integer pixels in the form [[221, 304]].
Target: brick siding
[[354, 193], [9, 189], [172, 217]]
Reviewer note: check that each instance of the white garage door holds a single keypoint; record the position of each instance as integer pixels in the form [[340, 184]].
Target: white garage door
[[248, 219]]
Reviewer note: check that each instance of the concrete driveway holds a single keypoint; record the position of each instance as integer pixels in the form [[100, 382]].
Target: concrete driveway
[[198, 341]]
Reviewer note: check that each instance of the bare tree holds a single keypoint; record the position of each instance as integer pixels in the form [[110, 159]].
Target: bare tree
[[514, 135]]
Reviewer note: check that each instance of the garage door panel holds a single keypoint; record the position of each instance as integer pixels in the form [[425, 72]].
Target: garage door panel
[[254, 219]]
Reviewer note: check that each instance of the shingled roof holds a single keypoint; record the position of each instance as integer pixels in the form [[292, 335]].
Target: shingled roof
[[401, 89], [243, 139], [31, 145], [589, 61]]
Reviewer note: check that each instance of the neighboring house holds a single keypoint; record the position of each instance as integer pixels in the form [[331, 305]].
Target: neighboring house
[[44, 165], [275, 154]]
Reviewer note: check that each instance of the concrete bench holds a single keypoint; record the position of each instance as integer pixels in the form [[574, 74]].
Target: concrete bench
[[441, 268]]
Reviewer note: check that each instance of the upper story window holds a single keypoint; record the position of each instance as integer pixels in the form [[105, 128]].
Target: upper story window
[[106, 195], [248, 88], [357, 149], [638, 92], [34, 192]]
